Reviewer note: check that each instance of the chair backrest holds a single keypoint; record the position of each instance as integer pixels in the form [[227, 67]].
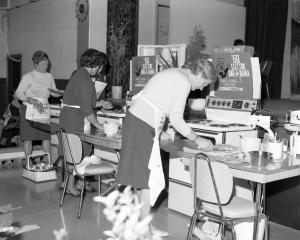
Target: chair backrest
[[266, 67], [204, 173], [72, 148]]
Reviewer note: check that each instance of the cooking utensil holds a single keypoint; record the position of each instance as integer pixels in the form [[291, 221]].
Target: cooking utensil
[[260, 158]]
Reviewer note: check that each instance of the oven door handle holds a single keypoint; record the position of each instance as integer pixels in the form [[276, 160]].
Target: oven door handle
[[204, 131]]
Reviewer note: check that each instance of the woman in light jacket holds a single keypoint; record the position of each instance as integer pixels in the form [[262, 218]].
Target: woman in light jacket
[[34, 89], [164, 95]]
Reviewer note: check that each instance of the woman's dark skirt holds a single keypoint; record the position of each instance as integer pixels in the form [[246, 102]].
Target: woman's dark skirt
[[137, 142]]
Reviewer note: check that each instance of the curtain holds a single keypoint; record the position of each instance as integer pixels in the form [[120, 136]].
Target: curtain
[[265, 30]]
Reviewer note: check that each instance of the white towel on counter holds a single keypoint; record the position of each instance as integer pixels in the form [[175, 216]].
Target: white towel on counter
[[80, 168]]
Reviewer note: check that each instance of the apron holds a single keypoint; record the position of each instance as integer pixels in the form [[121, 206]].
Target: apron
[[156, 180], [87, 124]]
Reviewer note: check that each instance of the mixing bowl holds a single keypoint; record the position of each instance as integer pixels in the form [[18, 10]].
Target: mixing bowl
[[250, 144]]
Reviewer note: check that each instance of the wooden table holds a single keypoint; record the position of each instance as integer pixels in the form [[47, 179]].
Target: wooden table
[[97, 137], [288, 168]]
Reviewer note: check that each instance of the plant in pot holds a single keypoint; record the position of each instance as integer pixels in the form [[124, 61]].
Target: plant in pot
[[116, 75]]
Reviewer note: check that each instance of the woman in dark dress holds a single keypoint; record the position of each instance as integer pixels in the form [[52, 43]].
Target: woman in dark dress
[[79, 100]]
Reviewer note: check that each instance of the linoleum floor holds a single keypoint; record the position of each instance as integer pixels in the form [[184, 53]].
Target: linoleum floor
[[40, 205]]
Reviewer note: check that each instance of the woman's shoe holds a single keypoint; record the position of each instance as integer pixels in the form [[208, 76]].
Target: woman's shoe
[[74, 194], [87, 187], [158, 232]]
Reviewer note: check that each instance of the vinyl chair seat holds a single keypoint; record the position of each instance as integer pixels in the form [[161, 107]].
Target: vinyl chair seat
[[99, 168], [237, 208]]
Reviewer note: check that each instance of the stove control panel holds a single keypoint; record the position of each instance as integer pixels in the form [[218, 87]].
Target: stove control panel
[[231, 104]]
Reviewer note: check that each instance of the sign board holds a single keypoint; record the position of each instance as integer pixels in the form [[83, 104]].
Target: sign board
[[142, 68], [169, 56], [239, 73]]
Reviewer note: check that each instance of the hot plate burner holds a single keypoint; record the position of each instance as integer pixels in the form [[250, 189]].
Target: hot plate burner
[[218, 125], [237, 125]]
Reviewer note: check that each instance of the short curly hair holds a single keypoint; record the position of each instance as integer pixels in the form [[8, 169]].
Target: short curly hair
[[204, 66], [93, 58], [39, 56]]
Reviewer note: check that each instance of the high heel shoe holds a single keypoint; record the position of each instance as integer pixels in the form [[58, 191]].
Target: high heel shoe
[[87, 187], [157, 232], [73, 193]]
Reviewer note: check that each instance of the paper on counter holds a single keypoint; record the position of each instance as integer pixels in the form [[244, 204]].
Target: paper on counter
[[232, 156]]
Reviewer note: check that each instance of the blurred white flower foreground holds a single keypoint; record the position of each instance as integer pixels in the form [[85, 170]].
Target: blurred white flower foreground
[[123, 211]]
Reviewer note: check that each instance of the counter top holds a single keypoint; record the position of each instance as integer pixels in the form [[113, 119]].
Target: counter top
[[98, 137], [245, 170]]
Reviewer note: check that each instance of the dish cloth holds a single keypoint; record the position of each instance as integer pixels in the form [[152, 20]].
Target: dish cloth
[[80, 168]]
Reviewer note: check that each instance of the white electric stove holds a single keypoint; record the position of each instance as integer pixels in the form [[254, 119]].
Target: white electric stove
[[226, 120]]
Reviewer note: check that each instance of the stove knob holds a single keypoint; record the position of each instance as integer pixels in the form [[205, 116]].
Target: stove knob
[[228, 104], [246, 105], [214, 102], [223, 103], [218, 103]]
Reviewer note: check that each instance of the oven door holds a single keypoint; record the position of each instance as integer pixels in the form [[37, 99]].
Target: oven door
[[214, 137]]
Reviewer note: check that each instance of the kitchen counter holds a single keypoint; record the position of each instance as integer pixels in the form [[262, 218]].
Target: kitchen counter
[[98, 138]]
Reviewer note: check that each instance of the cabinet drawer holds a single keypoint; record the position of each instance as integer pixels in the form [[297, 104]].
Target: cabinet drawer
[[181, 198], [179, 169]]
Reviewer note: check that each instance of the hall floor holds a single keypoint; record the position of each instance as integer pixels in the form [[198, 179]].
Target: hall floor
[[40, 205]]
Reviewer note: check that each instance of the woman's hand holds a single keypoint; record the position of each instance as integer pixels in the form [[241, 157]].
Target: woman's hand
[[204, 143]]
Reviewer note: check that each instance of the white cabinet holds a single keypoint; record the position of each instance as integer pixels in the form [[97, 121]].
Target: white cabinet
[[180, 187]]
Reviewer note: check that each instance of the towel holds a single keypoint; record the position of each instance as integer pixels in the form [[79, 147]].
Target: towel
[[80, 168]]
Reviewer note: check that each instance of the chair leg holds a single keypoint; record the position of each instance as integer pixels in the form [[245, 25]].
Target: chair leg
[[267, 88], [81, 197], [111, 188], [192, 226], [223, 231], [233, 230], [65, 189], [99, 185], [266, 235]]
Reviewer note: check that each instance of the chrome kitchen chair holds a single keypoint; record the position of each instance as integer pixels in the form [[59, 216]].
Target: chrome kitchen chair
[[72, 149], [213, 187]]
